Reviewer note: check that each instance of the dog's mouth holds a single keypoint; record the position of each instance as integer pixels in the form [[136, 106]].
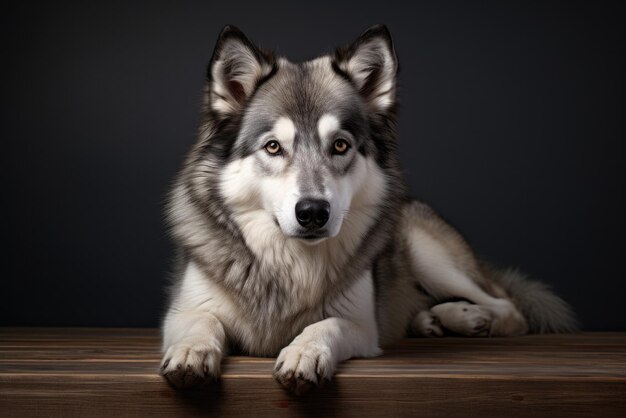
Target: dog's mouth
[[308, 236], [312, 237], [315, 234], [312, 240]]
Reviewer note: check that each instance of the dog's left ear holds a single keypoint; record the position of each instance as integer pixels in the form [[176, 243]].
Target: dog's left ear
[[371, 63], [236, 69]]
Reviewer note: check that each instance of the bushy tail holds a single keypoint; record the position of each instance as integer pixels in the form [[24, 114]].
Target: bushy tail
[[544, 311]]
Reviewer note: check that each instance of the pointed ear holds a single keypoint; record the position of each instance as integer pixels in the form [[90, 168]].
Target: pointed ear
[[236, 69], [371, 63]]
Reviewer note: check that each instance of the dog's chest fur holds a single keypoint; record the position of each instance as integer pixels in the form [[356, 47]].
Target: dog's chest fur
[[263, 286], [272, 305]]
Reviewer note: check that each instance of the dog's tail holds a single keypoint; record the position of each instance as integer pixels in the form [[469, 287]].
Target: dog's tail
[[544, 311]]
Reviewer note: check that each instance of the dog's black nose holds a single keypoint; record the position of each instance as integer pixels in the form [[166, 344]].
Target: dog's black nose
[[312, 213]]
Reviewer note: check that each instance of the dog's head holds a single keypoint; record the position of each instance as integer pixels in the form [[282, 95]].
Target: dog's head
[[306, 147]]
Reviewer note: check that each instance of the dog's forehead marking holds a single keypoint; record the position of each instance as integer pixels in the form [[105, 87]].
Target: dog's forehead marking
[[284, 130], [327, 124]]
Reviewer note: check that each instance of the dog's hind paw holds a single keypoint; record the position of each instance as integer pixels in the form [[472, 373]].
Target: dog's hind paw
[[300, 367], [186, 365], [464, 318], [427, 324]]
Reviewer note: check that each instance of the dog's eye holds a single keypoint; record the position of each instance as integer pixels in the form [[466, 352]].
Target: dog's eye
[[273, 147], [340, 146]]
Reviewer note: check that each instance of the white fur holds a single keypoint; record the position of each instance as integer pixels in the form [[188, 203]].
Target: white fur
[[350, 331], [440, 277], [254, 200], [327, 125], [285, 132], [198, 294], [195, 329], [251, 197], [443, 279], [257, 199]]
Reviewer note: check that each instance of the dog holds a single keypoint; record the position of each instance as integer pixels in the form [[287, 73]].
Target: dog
[[296, 233]]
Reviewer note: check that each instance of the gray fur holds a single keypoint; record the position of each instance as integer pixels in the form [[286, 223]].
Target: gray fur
[[407, 247], [544, 311]]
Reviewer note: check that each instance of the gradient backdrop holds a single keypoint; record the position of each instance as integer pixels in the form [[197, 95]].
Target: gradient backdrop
[[512, 126]]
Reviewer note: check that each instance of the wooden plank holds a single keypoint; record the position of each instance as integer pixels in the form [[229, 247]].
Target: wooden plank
[[104, 372]]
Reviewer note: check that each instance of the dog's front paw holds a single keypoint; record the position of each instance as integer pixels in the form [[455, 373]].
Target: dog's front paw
[[186, 365], [300, 367]]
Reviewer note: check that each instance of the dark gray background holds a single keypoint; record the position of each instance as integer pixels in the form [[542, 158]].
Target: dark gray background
[[512, 126]]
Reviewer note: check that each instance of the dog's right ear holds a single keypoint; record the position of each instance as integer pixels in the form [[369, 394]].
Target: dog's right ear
[[371, 64], [236, 68]]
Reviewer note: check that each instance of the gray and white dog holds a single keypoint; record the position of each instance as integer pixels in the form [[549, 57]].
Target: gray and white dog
[[296, 232]]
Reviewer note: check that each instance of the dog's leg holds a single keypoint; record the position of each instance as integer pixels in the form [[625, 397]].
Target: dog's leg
[[194, 340], [489, 316], [349, 331], [440, 273], [196, 349]]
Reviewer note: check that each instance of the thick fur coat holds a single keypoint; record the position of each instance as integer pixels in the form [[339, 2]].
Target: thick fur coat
[[297, 236]]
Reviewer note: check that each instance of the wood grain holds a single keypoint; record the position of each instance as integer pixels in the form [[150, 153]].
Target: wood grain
[[103, 372]]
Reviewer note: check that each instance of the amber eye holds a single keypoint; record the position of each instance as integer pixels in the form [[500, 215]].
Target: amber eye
[[340, 146], [273, 147]]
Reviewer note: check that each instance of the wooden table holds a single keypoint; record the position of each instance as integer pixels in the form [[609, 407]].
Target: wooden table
[[108, 372]]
